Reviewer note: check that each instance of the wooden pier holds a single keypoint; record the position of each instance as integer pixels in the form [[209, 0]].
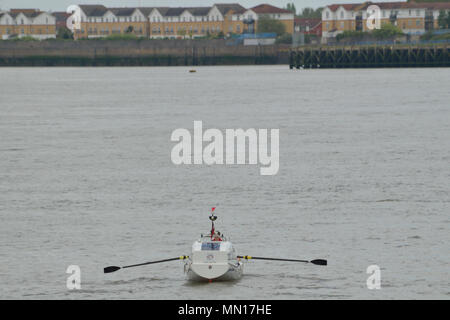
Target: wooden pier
[[389, 56]]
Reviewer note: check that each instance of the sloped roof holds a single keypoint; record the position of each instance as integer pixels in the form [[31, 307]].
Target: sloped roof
[[146, 10], [61, 16], [195, 11], [224, 8], [307, 22], [122, 12], [267, 8], [163, 10], [94, 10], [173, 12], [199, 11], [30, 13], [347, 6]]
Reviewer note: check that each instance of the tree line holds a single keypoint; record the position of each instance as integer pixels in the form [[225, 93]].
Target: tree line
[[305, 12]]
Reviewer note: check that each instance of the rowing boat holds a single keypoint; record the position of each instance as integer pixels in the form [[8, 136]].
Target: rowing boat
[[213, 257]]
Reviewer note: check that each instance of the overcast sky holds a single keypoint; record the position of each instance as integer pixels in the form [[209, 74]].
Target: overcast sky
[[61, 5]]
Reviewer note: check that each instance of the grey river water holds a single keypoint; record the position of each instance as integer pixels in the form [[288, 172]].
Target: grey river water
[[86, 179]]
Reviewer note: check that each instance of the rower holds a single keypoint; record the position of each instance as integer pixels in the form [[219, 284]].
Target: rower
[[217, 237]]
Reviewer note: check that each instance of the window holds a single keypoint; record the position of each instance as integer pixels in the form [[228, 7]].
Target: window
[[418, 12], [418, 23], [342, 14], [327, 15], [342, 25], [210, 246], [409, 12], [238, 28]]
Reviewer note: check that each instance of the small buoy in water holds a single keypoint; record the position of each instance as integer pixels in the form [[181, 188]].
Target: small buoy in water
[[192, 71]]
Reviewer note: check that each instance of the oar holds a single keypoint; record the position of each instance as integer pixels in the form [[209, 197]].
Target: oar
[[114, 268], [319, 262]]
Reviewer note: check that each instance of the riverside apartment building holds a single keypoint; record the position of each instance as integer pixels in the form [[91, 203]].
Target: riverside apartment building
[[177, 22], [413, 18], [27, 23]]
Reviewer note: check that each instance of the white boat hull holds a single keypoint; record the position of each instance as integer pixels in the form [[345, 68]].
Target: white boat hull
[[214, 271]]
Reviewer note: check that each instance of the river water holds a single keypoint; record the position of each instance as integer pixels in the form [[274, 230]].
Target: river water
[[86, 179]]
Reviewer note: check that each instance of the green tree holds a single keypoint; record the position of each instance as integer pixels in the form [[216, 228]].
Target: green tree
[[291, 7], [130, 29], [284, 39], [267, 24], [442, 19], [64, 33], [387, 31], [448, 19], [311, 13], [182, 32]]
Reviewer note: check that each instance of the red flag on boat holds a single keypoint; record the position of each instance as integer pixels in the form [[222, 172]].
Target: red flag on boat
[[213, 208]]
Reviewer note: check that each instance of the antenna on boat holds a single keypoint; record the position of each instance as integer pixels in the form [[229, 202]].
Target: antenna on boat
[[213, 218]]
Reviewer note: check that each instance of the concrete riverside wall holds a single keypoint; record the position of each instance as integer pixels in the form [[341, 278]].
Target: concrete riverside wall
[[140, 52]]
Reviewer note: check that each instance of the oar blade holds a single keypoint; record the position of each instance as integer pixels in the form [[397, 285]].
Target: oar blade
[[111, 269], [320, 262]]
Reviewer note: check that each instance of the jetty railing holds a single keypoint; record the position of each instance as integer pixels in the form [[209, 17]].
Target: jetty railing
[[371, 56]]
